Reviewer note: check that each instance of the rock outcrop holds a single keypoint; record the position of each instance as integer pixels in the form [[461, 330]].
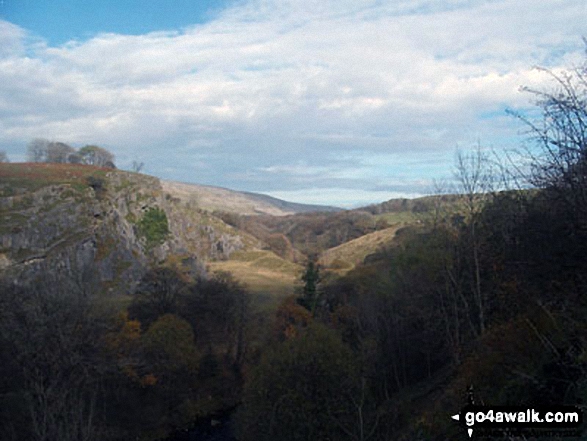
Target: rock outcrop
[[85, 232]]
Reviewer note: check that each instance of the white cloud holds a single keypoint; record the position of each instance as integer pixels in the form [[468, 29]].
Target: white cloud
[[270, 83], [340, 197], [11, 39]]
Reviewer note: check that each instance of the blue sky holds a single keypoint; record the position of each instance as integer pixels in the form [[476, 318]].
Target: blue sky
[[61, 21], [331, 102]]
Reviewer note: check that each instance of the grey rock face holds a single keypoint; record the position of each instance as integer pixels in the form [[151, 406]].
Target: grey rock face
[[78, 236]]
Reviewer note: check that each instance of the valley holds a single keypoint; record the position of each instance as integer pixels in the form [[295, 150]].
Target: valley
[[175, 264], [183, 302], [264, 245]]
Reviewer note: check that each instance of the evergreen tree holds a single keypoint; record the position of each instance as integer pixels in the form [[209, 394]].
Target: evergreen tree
[[311, 278]]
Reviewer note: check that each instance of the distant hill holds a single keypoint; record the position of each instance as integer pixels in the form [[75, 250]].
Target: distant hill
[[211, 198], [292, 207]]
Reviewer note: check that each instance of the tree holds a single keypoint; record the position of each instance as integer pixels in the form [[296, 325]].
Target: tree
[[169, 345], [290, 319], [301, 390], [474, 175], [58, 152], [137, 166], [559, 163], [94, 155], [53, 350], [3, 156], [158, 293], [171, 353], [74, 158], [311, 278], [37, 150], [438, 209], [218, 310]]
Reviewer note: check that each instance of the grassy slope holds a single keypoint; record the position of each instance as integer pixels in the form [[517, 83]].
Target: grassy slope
[[345, 257], [263, 272], [398, 213], [33, 176]]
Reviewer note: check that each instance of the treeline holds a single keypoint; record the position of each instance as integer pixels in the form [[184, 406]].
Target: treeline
[[43, 150], [421, 205], [490, 301], [75, 368]]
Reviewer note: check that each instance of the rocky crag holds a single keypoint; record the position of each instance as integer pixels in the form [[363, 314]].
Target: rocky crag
[[93, 228]]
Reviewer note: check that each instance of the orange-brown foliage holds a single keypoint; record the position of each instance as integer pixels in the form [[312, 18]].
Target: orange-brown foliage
[[290, 318]]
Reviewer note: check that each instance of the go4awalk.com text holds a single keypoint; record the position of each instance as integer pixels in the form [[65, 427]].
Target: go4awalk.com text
[[485, 420]]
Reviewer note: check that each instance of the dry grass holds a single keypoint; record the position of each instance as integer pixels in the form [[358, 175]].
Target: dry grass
[[32, 176], [262, 272], [267, 261], [345, 257]]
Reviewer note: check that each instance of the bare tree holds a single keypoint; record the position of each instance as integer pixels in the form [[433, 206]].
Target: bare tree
[[37, 150], [440, 192], [3, 156], [558, 161], [364, 424], [137, 166], [54, 338], [474, 175]]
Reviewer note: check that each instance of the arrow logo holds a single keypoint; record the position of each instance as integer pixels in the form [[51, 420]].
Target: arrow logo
[[457, 418]]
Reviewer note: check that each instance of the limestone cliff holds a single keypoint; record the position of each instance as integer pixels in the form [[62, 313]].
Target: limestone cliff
[[80, 225]]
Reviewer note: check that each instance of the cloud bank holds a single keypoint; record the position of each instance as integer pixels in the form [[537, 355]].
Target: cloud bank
[[342, 101]]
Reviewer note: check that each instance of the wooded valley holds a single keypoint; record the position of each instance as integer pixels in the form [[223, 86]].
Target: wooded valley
[[126, 324]]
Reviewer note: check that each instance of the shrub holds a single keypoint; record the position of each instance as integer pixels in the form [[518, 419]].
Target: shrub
[[97, 184], [154, 227]]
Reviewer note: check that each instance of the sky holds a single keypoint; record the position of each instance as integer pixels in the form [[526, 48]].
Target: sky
[[337, 102]]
